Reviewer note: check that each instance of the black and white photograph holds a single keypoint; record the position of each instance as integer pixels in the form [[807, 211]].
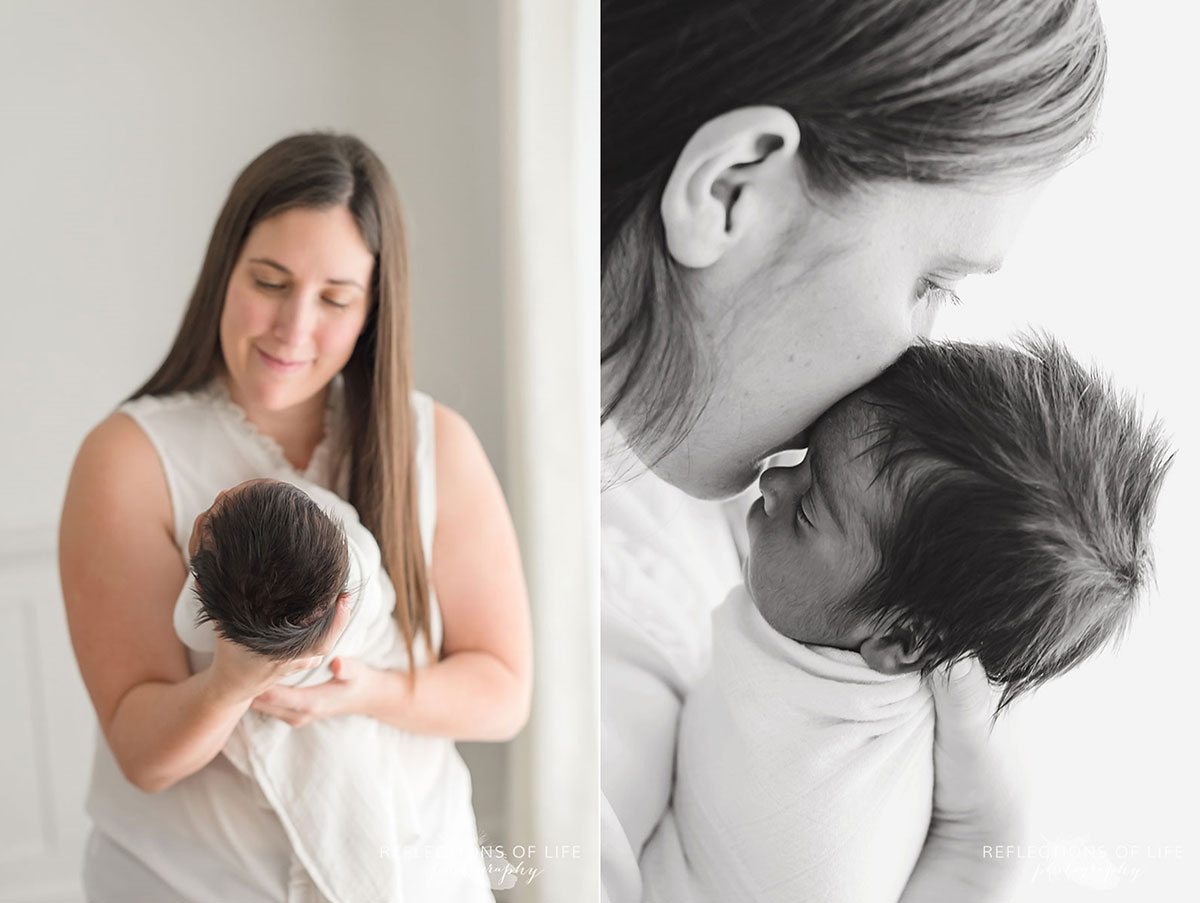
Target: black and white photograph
[[898, 451]]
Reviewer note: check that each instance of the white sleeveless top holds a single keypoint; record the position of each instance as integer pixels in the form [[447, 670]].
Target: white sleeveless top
[[666, 561], [213, 837]]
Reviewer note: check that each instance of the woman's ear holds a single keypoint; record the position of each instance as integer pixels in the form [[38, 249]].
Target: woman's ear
[[719, 181], [894, 650]]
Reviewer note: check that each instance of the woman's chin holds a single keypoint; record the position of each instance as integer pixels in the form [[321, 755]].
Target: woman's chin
[[268, 396], [710, 483]]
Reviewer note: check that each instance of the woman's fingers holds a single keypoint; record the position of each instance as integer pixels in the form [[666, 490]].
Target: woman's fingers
[[346, 668], [962, 698]]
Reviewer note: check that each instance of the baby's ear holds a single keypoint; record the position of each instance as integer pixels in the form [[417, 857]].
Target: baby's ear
[[343, 603], [340, 618], [894, 649]]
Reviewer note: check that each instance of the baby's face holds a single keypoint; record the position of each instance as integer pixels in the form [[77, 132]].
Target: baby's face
[[810, 542]]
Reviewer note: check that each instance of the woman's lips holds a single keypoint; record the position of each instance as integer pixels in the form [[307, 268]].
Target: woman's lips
[[276, 364]]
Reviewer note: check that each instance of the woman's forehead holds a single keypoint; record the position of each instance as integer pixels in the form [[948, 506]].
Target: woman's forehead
[[320, 243], [964, 228]]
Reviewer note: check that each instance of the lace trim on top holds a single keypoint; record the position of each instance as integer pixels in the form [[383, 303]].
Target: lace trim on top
[[318, 469]]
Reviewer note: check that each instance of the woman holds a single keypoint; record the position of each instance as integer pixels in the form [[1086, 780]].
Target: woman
[[789, 192], [293, 359]]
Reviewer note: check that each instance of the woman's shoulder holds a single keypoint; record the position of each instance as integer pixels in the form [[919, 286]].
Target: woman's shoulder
[[163, 423], [181, 403], [128, 453], [172, 416], [115, 439], [447, 428], [118, 465], [456, 448], [446, 421], [458, 462]]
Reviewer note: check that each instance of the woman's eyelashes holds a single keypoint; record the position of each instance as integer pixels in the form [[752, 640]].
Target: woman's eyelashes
[[279, 286], [928, 290]]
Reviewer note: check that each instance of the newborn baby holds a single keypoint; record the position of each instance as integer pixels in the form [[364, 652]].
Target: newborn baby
[[268, 566], [974, 500], [269, 562]]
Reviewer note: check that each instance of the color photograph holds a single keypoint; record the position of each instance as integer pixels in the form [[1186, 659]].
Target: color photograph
[[300, 544]]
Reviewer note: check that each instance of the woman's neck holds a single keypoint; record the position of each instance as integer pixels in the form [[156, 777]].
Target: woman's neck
[[297, 429]]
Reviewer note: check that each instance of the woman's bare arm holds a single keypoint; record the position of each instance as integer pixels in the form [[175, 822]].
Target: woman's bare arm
[[480, 689], [121, 573]]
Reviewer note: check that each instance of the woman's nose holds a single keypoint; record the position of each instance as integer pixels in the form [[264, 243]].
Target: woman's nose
[[294, 319]]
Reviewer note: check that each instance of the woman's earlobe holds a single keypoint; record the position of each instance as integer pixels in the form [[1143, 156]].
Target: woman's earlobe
[[710, 200]]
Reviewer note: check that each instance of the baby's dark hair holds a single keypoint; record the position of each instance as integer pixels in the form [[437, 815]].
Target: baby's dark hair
[[269, 568], [1026, 488]]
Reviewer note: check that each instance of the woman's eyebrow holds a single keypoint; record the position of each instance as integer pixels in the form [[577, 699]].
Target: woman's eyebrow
[[279, 266]]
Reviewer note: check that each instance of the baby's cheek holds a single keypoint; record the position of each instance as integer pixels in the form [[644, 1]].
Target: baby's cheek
[[768, 586]]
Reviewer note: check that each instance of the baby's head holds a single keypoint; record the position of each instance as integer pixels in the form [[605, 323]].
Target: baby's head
[[972, 500], [269, 567]]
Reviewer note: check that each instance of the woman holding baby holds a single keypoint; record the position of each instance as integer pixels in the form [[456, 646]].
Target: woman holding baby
[[292, 363], [789, 192]]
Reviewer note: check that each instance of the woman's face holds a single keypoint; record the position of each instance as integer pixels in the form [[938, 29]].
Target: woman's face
[[296, 302], [814, 301]]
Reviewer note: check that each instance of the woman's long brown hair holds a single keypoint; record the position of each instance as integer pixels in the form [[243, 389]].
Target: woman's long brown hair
[[321, 170]]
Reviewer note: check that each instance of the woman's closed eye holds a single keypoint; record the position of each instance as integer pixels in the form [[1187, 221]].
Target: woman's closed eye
[[279, 286]]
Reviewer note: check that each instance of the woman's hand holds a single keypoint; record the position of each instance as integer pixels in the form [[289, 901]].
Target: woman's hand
[[972, 788], [346, 694], [238, 675], [976, 800]]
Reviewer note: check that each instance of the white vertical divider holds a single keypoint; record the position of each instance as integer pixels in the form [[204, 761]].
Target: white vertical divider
[[550, 122]]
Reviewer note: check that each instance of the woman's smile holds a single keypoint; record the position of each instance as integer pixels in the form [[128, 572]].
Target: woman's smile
[[278, 364]]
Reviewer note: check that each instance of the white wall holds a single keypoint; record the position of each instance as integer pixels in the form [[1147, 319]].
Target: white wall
[[552, 98], [124, 125], [1105, 263]]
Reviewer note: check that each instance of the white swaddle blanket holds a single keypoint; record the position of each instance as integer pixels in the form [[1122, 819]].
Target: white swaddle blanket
[[337, 784], [801, 774]]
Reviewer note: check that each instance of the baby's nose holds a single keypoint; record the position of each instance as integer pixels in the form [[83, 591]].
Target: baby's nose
[[775, 484]]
